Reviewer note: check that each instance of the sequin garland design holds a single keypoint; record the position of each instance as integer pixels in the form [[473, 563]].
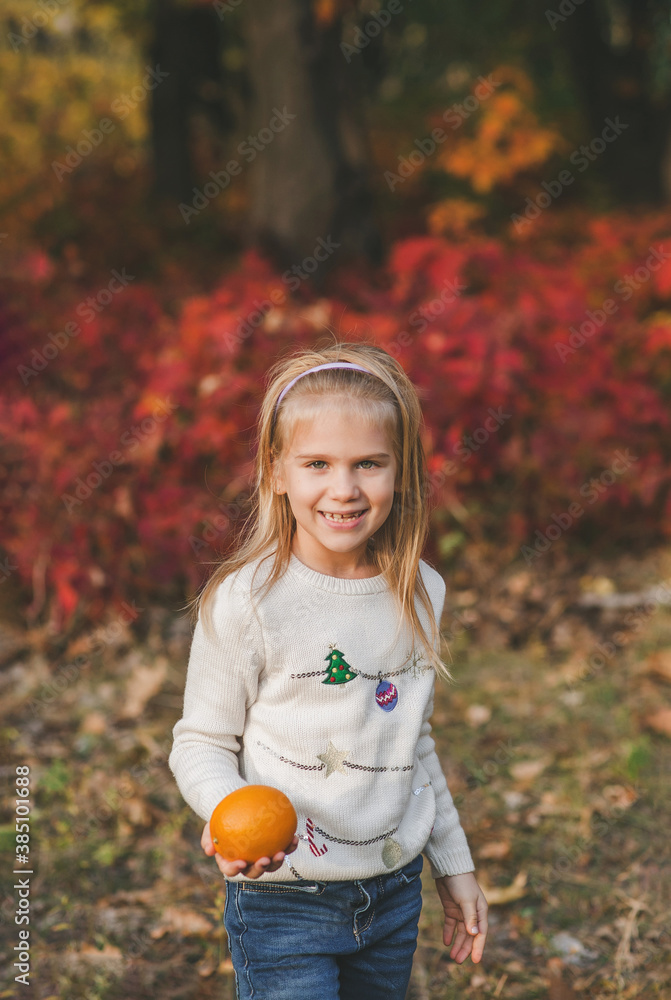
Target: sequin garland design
[[332, 761], [340, 672]]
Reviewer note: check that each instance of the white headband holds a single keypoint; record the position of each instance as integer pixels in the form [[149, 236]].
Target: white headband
[[331, 364]]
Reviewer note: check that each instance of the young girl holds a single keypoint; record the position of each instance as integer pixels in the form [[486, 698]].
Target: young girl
[[312, 669]]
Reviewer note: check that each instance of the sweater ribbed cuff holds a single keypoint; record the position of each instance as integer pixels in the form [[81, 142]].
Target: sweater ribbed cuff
[[458, 862]]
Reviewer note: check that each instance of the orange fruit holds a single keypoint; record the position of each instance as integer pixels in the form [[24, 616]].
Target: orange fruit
[[253, 822]]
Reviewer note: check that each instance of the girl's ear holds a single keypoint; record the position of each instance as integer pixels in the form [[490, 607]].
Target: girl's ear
[[277, 479]]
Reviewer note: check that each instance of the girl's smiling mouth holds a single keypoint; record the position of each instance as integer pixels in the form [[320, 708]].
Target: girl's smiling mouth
[[344, 519]]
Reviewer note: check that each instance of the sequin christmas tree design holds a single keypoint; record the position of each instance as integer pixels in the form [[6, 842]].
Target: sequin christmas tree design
[[338, 670]]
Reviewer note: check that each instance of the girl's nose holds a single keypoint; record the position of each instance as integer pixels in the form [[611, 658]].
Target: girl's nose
[[344, 489]]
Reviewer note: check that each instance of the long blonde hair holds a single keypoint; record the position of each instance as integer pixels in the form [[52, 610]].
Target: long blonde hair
[[386, 396]]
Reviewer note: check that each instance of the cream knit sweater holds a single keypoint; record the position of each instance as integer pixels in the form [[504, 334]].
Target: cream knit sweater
[[355, 756]]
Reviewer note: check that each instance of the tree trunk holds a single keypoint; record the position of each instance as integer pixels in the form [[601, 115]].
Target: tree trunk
[[186, 46], [310, 181], [614, 82]]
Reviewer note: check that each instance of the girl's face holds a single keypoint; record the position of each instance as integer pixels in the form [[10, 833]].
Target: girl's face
[[331, 467]]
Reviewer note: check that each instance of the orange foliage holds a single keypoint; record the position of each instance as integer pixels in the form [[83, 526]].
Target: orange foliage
[[503, 138], [454, 217]]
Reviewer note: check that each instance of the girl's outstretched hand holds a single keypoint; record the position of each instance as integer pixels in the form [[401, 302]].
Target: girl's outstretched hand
[[465, 909], [233, 868]]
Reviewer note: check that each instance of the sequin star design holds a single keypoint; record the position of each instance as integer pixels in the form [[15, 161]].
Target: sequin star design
[[333, 759]]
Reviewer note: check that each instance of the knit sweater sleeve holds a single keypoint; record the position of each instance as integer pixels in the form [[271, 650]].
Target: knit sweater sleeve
[[447, 848], [221, 683]]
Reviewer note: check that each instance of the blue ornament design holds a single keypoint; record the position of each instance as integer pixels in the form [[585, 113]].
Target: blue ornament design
[[386, 696]]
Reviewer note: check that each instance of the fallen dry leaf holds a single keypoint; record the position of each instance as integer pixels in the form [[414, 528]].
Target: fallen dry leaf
[[108, 955], [94, 723], [518, 583], [659, 664], [146, 681], [495, 849], [618, 796], [497, 895], [527, 770], [477, 715], [177, 921], [206, 968], [464, 598], [137, 811], [514, 966], [558, 989], [597, 585], [660, 721], [514, 799]]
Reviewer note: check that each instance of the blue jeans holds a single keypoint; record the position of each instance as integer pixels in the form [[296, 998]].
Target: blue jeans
[[308, 940]]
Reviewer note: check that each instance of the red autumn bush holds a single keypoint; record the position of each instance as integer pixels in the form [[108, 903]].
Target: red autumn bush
[[541, 362]]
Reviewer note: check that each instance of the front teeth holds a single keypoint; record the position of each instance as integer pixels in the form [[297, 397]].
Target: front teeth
[[342, 517]]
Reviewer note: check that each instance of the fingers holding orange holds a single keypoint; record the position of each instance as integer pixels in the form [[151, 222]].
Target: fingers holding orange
[[249, 870]]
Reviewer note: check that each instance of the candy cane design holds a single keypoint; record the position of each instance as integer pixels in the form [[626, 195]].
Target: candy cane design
[[310, 827]]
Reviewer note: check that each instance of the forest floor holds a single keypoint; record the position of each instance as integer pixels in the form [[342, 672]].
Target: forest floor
[[555, 739]]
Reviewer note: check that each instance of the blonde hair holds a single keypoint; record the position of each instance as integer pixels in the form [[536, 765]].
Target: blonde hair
[[386, 396]]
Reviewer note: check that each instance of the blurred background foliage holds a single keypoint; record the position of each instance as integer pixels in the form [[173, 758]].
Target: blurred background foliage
[[66, 65], [115, 121]]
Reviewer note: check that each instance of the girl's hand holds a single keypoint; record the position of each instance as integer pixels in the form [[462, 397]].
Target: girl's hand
[[465, 909], [233, 868]]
